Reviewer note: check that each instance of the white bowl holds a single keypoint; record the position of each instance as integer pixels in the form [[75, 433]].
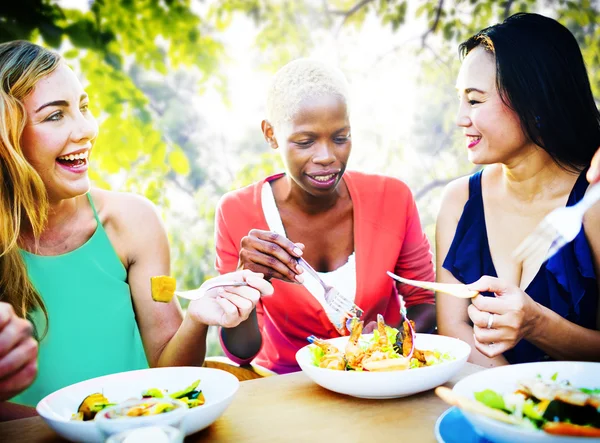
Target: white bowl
[[110, 425], [504, 380], [218, 387], [392, 384]]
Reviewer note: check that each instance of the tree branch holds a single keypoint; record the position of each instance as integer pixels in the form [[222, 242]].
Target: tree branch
[[353, 10], [436, 22], [507, 6], [440, 182]]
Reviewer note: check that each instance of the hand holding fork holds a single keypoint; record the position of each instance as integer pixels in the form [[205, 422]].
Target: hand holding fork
[[276, 256], [332, 296], [559, 227]]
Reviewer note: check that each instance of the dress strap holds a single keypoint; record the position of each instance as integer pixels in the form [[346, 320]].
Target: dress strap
[[89, 197], [579, 189], [475, 184]]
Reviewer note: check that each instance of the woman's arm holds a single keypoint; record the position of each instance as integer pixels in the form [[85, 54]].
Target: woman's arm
[[18, 353], [559, 338], [452, 317], [169, 338], [242, 343], [516, 316], [563, 340], [12, 411], [415, 262]]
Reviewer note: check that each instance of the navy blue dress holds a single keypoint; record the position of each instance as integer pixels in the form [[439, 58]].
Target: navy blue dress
[[566, 283]]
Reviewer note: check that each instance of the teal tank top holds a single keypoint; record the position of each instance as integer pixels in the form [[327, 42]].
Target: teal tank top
[[92, 329]]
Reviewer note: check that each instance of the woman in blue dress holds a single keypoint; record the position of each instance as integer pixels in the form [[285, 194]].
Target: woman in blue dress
[[527, 112]]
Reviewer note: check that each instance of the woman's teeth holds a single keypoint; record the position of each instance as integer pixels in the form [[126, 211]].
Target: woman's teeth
[[71, 157], [323, 178]]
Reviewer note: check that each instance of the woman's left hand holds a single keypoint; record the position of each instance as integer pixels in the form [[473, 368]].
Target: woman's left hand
[[500, 322], [229, 306]]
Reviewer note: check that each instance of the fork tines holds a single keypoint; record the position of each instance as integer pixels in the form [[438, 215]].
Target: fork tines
[[341, 304], [536, 242]]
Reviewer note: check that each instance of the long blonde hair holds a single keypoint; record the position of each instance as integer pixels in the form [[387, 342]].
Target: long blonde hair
[[23, 196]]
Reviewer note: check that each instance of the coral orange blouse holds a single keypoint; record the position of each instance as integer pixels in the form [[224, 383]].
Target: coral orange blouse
[[387, 236]]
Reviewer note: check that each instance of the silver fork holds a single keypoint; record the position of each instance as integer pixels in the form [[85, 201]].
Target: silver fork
[[559, 227], [332, 296]]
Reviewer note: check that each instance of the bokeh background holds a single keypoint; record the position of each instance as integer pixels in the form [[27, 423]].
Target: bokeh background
[[178, 87]]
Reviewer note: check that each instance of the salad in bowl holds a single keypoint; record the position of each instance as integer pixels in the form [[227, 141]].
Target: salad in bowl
[[537, 402], [153, 395], [389, 363]]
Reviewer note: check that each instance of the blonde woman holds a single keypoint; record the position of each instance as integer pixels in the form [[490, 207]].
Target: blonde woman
[[350, 226], [78, 261]]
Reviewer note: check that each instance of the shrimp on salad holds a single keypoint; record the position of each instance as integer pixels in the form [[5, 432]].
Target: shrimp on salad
[[386, 350]]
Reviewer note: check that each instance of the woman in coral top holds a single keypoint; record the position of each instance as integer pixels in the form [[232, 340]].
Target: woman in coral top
[[351, 227]]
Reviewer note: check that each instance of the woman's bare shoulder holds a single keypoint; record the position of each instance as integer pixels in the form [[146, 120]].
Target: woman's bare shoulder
[[125, 211], [454, 197]]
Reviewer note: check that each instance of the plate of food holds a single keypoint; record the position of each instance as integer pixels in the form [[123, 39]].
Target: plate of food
[[206, 392], [547, 402], [388, 363]]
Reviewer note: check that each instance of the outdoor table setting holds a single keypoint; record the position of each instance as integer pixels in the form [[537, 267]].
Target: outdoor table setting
[[293, 408], [324, 404]]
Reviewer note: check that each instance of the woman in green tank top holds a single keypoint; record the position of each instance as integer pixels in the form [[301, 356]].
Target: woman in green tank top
[[77, 262]]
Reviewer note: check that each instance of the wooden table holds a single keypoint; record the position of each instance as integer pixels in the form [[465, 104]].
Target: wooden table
[[293, 408]]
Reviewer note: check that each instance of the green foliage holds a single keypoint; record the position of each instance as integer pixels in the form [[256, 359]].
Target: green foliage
[[257, 168], [105, 44], [143, 62]]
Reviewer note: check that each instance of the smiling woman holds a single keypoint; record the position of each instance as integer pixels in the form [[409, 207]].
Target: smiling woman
[[351, 227], [75, 258], [527, 111]]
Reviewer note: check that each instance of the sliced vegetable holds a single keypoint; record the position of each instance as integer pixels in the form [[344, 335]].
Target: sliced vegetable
[[491, 399], [92, 404], [186, 391], [535, 410], [153, 393], [560, 428]]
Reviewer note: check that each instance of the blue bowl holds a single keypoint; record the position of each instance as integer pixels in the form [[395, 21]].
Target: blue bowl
[[453, 427]]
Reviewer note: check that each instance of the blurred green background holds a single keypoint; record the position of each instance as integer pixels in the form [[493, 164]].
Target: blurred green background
[[178, 88]]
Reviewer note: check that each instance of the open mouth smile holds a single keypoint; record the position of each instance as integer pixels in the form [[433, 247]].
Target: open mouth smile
[[74, 162]]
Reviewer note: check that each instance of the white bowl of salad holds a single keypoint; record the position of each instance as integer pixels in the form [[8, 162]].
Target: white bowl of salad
[[203, 393], [378, 366], [547, 402]]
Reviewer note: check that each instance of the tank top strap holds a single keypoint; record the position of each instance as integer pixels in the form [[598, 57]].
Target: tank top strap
[[89, 197], [579, 189]]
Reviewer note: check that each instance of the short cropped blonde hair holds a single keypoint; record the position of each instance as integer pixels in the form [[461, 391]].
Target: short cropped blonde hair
[[300, 80]]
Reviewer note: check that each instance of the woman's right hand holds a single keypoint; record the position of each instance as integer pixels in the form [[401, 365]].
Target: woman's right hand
[[18, 353], [230, 306], [272, 255]]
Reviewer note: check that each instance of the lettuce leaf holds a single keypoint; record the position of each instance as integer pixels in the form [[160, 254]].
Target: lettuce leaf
[[316, 354], [590, 391], [491, 399], [391, 339]]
